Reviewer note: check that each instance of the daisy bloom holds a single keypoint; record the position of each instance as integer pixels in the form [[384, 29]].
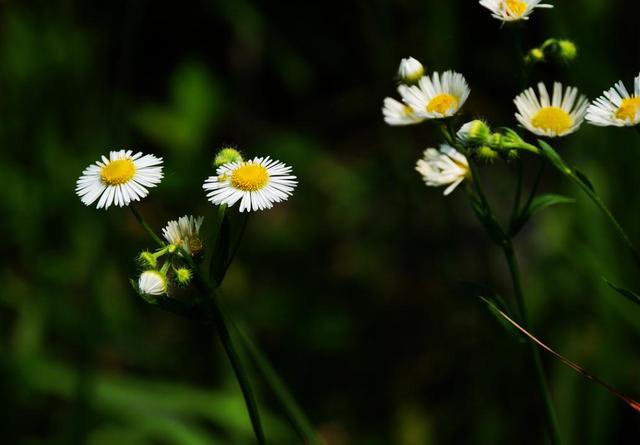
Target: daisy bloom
[[119, 179], [512, 10], [552, 117], [437, 96], [152, 282], [616, 106], [443, 167], [397, 113], [257, 184], [185, 233], [410, 70]]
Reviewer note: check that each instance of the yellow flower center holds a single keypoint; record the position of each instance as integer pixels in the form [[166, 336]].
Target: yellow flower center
[[515, 7], [629, 108], [118, 172], [250, 177], [441, 103], [552, 118]]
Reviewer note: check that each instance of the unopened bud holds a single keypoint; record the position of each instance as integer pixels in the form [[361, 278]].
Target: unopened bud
[[183, 275], [225, 156], [487, 153], [147, 260], [474, 132], [410, 70]]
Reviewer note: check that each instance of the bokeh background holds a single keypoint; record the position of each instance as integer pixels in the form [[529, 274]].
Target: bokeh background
[[352, 287]]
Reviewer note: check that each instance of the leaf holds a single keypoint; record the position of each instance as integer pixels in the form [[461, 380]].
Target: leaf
[[541, 202], [624, 292], [583, 178], [554, 157], [497, 306]]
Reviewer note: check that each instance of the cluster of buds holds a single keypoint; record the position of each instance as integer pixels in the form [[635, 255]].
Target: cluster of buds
[[476, 136], [167, 266], [561, 50]]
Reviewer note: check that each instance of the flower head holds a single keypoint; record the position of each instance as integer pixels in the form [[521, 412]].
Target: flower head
[[256, 183], [616, 106], [552, 117], [185, 233], [397, 113], [437, 96], [475, 132], [443, 167], [119, 179], [512, 10], [152, 282], [410, 70]]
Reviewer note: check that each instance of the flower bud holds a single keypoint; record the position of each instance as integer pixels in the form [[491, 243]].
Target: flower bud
[[225, 156], [410, 71], [487, 153], [536, 55], [147, 260], [567, 50], [183, 275], [474, 132], [152, 282]]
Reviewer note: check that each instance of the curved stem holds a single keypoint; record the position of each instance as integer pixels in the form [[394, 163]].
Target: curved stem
[[146, 226], [514, 269]]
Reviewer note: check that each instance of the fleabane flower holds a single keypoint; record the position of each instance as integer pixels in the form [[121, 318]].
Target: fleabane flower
[[410, 70], [119, 179], [554, 116], [397, 113], [185, 233], [443, 167], [512, 10], [616, 106], [437, 96], [152, 282], [256, 183]]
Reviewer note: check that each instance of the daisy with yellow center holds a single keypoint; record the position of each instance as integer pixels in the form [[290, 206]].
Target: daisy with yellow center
[[616, 106], [443, 167], [257, 184], [185, 233], [512, 10], [557, 116], [119, 179], [436, 96]]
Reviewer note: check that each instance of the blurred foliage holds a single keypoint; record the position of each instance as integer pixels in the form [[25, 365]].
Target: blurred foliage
[[352, 285]]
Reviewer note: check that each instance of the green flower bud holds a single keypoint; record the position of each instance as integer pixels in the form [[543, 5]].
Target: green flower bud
[[567, 50], [487, 153], [474, 132], [536, 55], [183, 275], [147, 260], [225, 156]]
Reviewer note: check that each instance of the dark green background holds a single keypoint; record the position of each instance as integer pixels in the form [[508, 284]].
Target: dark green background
[[352, 287]]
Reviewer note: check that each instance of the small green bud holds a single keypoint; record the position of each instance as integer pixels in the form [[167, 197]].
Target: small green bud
[[171, 248], [225, 156], [512, 155], [536, 55], [474, 132], [147, 260], [487, 153], [183, 275], [567, 50]]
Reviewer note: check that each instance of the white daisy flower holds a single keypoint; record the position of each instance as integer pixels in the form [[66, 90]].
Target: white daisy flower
[[512, 10], [257, 184], [552, 117], [410, 70], [397, 113], [185, 232], [443, 167], [436, 96], [120, 179], [152, 282], [616, 106]]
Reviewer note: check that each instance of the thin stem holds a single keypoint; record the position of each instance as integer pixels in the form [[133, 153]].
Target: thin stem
[[535, 354], [536, 184], [515, 212], [223, 332], [146, 227], [603, 207]]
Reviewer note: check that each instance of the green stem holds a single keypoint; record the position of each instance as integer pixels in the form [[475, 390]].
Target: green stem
[[603, 207], [146, 227], [515, 213], [223, 331], [535, 353]]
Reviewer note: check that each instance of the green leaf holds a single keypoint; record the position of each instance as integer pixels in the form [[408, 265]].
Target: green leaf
[[583, 178], [496, 305], [541, 202], [624, 292], [554, 157]]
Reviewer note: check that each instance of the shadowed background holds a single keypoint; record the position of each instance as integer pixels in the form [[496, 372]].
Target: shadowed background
[[352, 287]]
